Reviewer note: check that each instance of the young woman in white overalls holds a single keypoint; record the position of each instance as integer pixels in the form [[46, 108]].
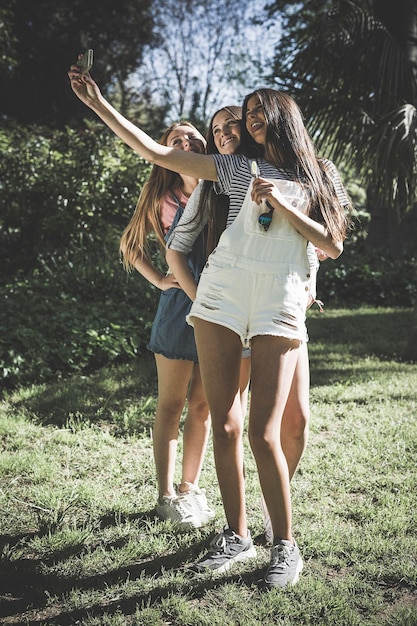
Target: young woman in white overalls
[[205, 207], [254, 289]]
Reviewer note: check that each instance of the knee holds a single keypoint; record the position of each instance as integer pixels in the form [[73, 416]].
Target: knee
[[296, 425], [261, 441], [227, 432], [170, 412], [198, 408]]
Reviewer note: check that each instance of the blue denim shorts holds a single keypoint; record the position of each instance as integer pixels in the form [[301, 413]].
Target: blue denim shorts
[[171, 336]]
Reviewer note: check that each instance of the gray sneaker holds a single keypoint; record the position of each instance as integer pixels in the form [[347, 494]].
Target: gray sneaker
[[285, 565], [178, 510], [225, 549]]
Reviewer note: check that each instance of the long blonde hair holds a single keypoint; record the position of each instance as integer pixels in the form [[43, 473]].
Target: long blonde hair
[[146, 217]]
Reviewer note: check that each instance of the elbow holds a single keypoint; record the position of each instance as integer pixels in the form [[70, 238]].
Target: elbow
[[168, 254], [170, 257], [336, 250]]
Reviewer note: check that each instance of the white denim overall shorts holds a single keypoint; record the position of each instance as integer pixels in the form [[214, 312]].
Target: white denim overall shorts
[[256, 282]]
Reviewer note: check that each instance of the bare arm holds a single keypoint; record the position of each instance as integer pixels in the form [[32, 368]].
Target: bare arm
[[307, 227], [147, 269], [177, 262], [181, 161]]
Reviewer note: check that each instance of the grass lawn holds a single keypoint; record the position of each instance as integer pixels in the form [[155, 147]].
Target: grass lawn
[[80, 542]]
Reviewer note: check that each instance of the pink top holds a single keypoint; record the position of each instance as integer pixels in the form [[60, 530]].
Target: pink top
[[169, 207]]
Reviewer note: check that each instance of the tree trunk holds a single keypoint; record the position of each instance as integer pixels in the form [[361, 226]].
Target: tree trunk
[[387, 233], [410, 353]]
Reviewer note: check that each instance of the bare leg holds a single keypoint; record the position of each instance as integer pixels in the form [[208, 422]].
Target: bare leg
[[294, 428], [196, 431], [273, 364], [220, 352], [245, 366], [173, 380]]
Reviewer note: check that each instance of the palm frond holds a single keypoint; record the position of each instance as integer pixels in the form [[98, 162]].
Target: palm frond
[[358, 93], [393, 146]]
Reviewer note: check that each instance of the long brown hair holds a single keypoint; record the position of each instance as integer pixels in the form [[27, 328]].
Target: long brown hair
[[289, 146], [146, 217]]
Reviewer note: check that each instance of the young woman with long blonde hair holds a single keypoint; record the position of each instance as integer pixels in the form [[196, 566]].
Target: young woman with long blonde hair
[[159, 208]]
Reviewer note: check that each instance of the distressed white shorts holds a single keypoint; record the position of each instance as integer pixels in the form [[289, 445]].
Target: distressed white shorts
[[252, 297]]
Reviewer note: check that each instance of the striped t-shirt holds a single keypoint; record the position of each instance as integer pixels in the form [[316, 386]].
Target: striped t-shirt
[[234, 176]]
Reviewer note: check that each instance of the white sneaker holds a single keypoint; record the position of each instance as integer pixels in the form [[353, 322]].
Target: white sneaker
[[198, 502], [179, 511], [269, 535]]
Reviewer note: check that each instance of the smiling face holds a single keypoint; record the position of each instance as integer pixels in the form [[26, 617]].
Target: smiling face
[[255, 120], [186, 138], [226, 132]]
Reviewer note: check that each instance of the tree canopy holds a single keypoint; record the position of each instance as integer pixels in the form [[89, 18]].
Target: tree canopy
[[209, 53], [353, 66], [39, 40]]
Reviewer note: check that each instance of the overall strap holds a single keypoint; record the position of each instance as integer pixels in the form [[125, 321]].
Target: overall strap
[[176, 199]]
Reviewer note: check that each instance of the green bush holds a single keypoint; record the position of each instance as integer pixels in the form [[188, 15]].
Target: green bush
[[67, 305], [364, 276], [58, 189], [75, 319]]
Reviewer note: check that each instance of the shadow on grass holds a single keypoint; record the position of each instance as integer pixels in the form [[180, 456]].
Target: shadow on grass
[[112, 391], [196, 589], [26, 588], [381, 333], [96, 398], [338, 342]]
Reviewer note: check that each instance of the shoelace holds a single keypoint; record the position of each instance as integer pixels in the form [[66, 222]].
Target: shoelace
[[219, 544], [178, 503], [280, 555]]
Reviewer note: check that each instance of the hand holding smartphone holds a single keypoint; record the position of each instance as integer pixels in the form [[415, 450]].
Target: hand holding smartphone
[[86, 62]]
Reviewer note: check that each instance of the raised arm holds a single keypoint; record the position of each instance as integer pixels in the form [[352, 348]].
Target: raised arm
[[181, 161]]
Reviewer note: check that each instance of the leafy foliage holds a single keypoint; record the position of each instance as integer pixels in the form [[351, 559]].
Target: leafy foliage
[[74, 320], [61, 189], [67, 305], [364, 276], [39, 40], [351, 65]]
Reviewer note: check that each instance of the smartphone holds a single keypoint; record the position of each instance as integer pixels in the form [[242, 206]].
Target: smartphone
[[86, 62]]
